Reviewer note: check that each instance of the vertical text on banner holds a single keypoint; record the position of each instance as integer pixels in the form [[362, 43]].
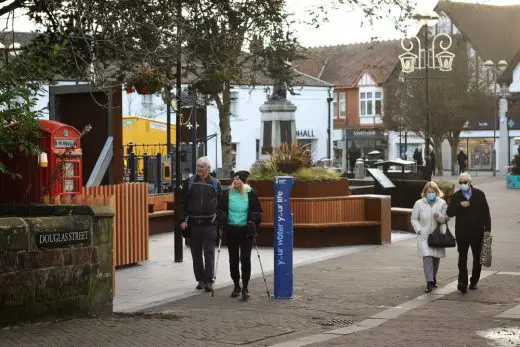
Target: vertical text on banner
[[283, 238]]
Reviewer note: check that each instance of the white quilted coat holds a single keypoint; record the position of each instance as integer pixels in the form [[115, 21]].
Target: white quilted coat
[[424, 224]]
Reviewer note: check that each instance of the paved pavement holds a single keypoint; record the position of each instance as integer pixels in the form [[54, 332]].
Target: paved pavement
[[369, 298]]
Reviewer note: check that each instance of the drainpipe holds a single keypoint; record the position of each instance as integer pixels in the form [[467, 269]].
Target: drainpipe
[[329, 149]]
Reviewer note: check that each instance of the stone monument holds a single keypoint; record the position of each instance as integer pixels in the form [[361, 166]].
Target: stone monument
[[278, 117]]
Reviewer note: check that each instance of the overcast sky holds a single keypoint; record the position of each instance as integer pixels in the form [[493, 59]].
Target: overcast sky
[[344, 26]]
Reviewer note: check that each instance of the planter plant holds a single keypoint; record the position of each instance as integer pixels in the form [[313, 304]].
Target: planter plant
[[296, 160]]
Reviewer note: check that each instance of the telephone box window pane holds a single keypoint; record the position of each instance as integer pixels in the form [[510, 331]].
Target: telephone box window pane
[[69, 186], [68, 170]]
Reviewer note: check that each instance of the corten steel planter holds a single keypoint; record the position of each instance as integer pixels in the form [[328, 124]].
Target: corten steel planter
[[311, 189]]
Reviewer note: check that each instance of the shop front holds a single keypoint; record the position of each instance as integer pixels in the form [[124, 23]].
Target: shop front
[[478, 151], [367, 140]]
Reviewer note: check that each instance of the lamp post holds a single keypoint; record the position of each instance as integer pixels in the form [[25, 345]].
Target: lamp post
[[495, 69], [427, 58], [178, 244]]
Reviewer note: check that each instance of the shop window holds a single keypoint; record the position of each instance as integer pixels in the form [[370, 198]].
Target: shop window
[[478, 151]]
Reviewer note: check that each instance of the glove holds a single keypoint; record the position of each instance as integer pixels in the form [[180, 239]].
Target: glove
[[251, 230]]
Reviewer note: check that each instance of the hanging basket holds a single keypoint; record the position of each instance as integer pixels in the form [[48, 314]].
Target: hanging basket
[[146, 81], [209, 87]]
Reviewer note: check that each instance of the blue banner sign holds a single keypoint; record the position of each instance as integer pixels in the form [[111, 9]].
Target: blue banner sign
[[283, 238]]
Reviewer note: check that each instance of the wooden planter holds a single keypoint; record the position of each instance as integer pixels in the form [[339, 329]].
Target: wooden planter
[[312, 189]]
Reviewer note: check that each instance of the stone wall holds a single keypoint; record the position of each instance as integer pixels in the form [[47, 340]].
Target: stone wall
[[55, 262]]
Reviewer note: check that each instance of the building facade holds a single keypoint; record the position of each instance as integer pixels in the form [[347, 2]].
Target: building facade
[[359, 72]]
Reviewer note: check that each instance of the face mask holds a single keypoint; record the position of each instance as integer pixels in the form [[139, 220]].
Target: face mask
[[431, 196], [464, 187]]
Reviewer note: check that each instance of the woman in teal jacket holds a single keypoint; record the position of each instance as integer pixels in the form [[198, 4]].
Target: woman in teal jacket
[[244, 215]]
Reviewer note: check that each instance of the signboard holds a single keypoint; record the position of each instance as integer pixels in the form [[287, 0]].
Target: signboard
[[307, 133], [158, 126], [64, 143], [283, 238], [57, 239], [381, 178], [365, 134]]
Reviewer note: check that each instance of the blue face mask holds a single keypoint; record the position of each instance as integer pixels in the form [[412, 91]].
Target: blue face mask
[[431, 196], [464, 187]]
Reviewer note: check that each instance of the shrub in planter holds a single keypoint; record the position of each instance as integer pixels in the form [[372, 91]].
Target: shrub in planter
[[296, 161]]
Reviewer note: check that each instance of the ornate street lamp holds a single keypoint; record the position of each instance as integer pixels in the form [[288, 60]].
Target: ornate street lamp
[[436, 57], [495, 69]]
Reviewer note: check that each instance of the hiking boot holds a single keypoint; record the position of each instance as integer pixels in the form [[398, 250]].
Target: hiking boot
[[236, 291], [209, 287], [245, 293], [200, 285]]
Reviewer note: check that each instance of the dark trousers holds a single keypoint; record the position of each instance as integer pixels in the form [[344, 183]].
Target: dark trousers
[[203, 241], [239, 247], [476, 248], [462, 167]]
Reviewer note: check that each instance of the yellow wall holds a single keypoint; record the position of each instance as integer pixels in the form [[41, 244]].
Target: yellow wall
[[142, 131]]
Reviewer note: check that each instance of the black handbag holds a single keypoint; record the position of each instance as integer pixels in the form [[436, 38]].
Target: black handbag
[[440, 240]]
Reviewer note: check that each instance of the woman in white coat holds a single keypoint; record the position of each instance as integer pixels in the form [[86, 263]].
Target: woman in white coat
[[428, 212]]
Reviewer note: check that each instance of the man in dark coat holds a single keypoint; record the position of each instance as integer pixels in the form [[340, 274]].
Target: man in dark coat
[[462, 159], [471, 210], [417, 157], [202, 215]]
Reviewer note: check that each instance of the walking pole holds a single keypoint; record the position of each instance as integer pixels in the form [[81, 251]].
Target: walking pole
[[216, 268], [262, 269]]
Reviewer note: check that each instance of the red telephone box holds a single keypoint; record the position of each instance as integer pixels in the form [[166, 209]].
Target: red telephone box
[[60, 175]]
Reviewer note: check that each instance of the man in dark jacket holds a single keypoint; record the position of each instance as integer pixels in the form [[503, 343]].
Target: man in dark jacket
[[201, 212], [462, 159], [417, 157], [471, 210]]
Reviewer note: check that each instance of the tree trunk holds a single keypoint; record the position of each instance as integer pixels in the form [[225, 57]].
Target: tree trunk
[[225, 131], [453, 140], [437, 149]]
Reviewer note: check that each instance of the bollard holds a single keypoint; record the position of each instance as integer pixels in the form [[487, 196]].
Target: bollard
[[283, 238], [158, 172], [360, 169], [145, 167], [132, 167]]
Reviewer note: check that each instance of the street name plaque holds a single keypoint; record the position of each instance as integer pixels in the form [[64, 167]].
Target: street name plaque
[[381, 178], [56, 239]]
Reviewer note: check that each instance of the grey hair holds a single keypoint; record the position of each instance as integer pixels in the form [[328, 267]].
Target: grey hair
[[204, 161], [465, 176]]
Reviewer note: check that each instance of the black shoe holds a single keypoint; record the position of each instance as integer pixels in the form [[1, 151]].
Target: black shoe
[[434, 283], [429, 286], [208, 287], [463, 288], [200, 285], [473, 286], [245, 293], [236, 291]]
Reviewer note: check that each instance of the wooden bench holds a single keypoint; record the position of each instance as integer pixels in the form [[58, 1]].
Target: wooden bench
[[335, 221], [401, 219], [160, 217]]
